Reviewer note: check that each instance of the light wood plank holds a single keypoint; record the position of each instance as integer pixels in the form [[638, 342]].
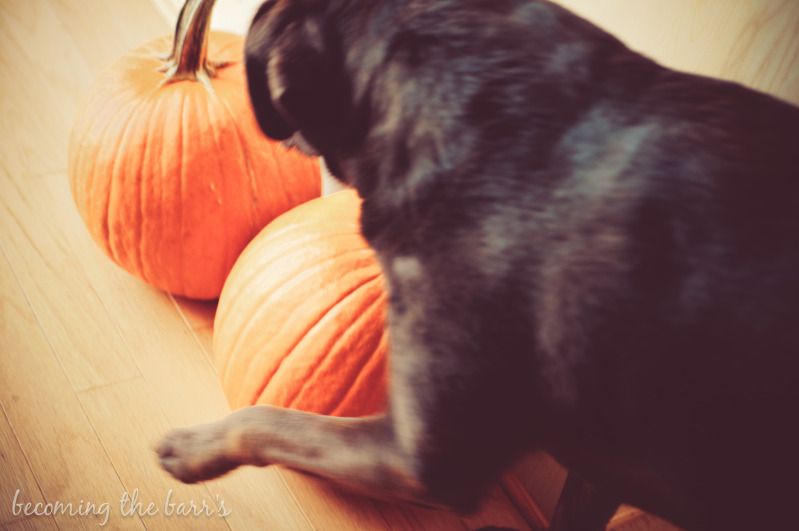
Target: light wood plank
[[44, 523], [102, 31], [127, 418], [199, 318], [65, 455], [18, 479], [330, 507], [178, 373], [55, 50], [409, 517], [145, 322], [259, 497], [39, 103], [48, 243]]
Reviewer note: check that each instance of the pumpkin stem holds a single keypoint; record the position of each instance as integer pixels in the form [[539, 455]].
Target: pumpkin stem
[[189, 57], [171, 57]]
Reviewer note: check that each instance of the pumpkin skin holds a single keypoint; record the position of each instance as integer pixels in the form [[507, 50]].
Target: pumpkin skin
[[174, 177], [301, 319]]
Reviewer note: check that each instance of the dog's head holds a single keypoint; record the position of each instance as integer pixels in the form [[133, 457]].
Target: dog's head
[[295, 74]]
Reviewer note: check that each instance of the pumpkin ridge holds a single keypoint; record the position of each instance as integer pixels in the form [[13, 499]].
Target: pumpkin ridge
[[277, 162], [244, 277], [84, 190], [304, 335], [139, 223], [318, 341], [363, 314], [138, 215], [147, 195], [377, 356], [157, 199], [295, 227], [102, 125], [223, 179], [272, 254], [92, 163], [359, 388], [298, 217], [297, 243], [78, 137], [127, 173], [122, 140], [182, 150], [216, 135], [235, 346], [280, 161], [163, 272], [229, 259], [300, 274]]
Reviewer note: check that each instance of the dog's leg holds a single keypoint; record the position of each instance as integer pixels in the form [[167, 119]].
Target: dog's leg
[[356, 451], [581, 507], [366, 453], [452, 424]]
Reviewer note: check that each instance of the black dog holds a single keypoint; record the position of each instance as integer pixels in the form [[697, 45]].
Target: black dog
[[586, 253]]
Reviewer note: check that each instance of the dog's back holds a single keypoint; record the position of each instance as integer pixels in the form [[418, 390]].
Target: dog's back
[[673, 258], [651, 219]]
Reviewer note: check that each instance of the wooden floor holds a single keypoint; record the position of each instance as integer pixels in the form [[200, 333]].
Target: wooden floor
[[95, 366]]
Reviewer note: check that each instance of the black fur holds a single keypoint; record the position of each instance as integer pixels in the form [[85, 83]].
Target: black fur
[[607, 250]]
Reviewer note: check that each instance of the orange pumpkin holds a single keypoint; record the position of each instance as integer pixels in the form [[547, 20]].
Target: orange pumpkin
[[300, 321], [168, 167]]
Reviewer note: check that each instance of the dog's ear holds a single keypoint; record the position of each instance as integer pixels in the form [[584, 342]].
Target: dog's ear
[[257, 49], [295, 72]]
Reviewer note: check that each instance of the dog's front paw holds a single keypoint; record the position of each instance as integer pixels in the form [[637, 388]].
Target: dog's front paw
[[197, 453]]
